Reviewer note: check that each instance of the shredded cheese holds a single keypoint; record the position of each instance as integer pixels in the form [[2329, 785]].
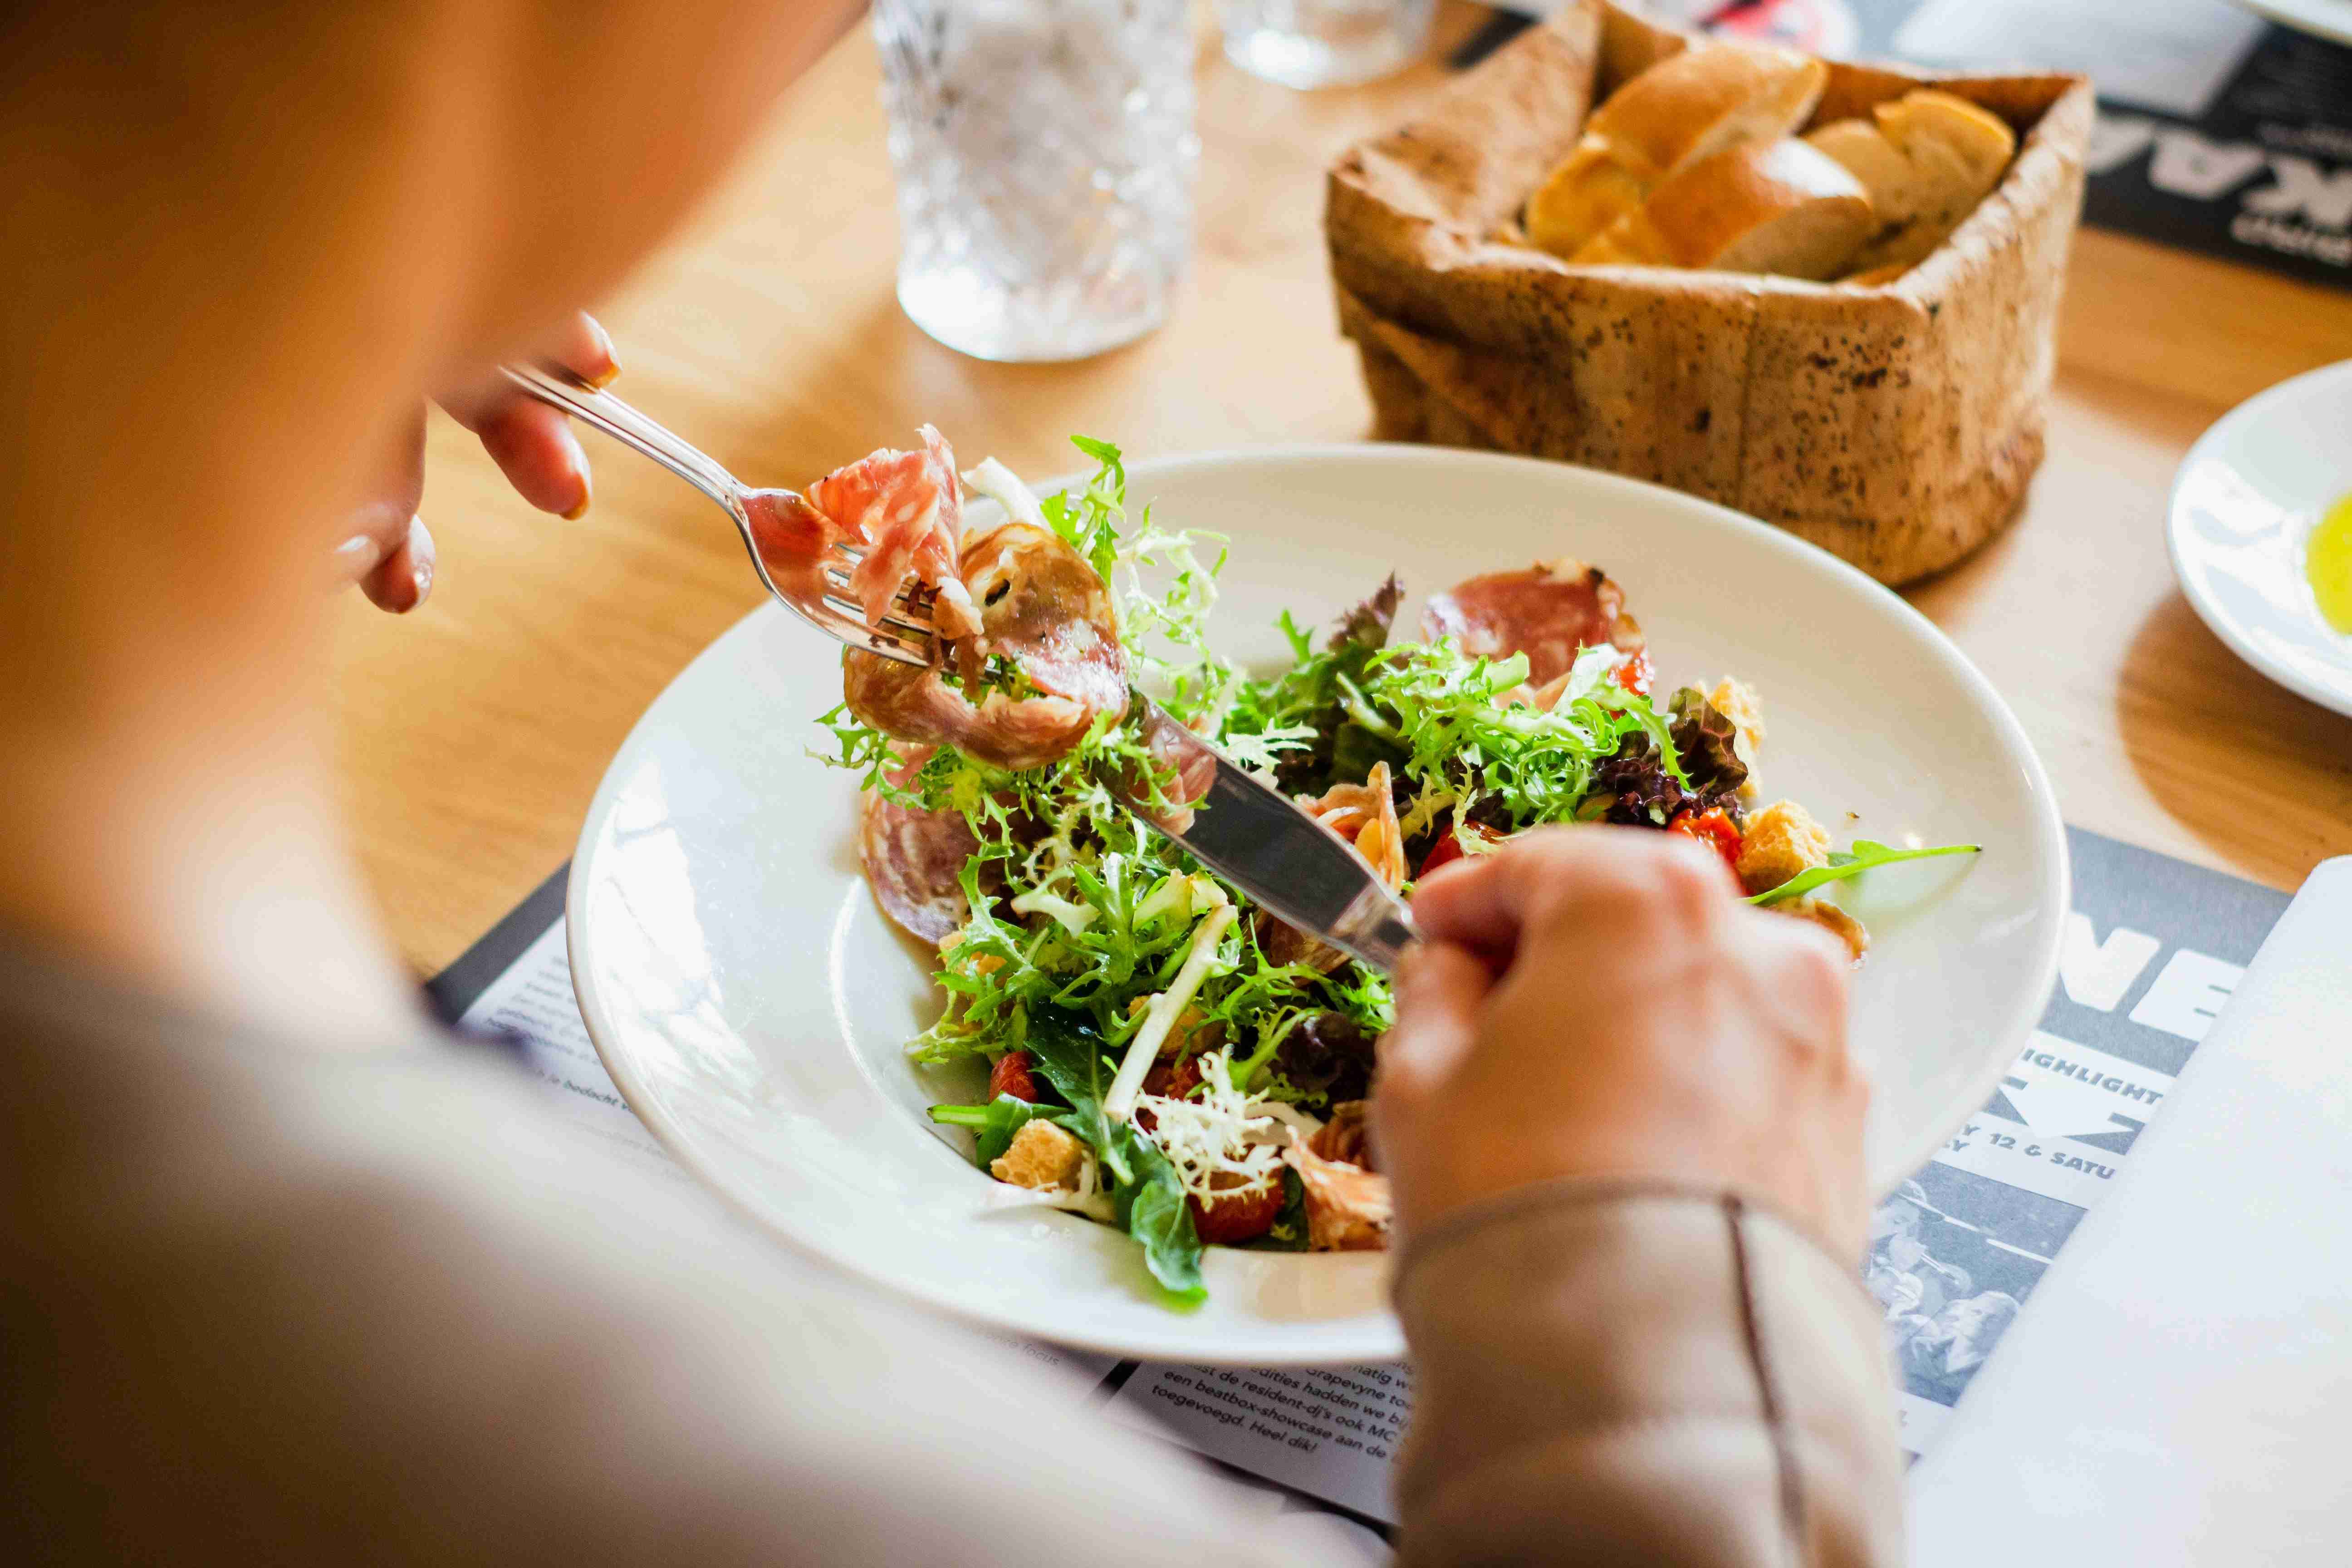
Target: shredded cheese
[[1219, 1129]]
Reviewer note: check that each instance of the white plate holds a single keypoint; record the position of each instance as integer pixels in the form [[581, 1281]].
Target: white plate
[[2325, 18], [751, 1002], [2244, 504]]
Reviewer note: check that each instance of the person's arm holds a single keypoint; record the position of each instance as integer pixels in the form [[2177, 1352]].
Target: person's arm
[[1625, 1134]]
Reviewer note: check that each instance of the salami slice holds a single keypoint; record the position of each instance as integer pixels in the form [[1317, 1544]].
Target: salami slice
[[913, 859], [1365, 815], [1042, 608], [1348, 1207], [1547, 612], [904, 510]]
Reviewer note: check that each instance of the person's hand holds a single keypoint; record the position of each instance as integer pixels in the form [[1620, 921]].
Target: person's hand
[[1596, 1001], [387, 550]]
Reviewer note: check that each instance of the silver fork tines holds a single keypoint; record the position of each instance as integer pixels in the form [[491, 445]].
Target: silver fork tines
[[905, 634]]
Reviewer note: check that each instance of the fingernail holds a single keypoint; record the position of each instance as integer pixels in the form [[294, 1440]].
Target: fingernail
[[587, 494], [421, 555], [357, 556], [611, 366]]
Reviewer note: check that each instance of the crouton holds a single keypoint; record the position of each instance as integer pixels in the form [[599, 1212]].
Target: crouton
[[1041, 1155], [1839, 923], [1737, 701], [1779, 842]]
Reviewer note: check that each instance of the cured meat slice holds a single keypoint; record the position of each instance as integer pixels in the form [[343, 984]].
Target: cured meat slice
[[1043, 606], [1348, 1207], [1042, 611], [1183, 768], [904, 510], [914, 859], [1365, 815], [1547, 612], [1347, 1137]]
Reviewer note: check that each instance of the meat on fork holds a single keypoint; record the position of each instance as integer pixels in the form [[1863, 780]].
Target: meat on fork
[[1047, 616], [903, 510]]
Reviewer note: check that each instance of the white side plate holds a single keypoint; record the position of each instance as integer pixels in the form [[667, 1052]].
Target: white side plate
[[2321, 18], [2244, 504], [751, 1002]]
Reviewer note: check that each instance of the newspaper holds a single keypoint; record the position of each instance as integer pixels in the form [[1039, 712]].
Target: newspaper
[[2154, 947], [2217, 131]]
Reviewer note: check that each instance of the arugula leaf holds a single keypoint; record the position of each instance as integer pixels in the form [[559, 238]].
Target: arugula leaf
[[1070, 1051], [1864, 856], [1154, 1211], [1145, 1193], [992, 1124]]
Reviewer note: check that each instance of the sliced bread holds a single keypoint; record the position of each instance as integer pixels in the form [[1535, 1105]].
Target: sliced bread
[[1682, 111], [1774, 206], [1927, 159]]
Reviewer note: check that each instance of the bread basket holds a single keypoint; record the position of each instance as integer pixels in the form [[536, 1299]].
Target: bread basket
[[1897, 425]]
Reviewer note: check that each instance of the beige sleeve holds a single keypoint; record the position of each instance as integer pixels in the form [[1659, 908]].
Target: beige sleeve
[[1616, 1375]]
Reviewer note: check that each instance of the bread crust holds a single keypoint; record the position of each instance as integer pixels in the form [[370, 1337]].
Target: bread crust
[[1762, 207], [1693, 107], [1897, 425]]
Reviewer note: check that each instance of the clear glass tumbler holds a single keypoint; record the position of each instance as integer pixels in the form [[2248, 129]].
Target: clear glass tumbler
[[1045, 152], [1324, 43]]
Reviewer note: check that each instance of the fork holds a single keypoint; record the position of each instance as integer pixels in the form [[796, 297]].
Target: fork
[[1255, 836], [906, 632]]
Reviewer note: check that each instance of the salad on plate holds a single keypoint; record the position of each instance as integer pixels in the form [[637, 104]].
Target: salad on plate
[[1162, 1056]]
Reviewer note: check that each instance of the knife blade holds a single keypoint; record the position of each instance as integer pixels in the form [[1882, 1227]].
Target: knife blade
[[1258, 840]]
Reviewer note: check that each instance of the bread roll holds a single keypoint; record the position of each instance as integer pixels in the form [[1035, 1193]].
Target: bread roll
[[1927, 159], [1680, 110], [1774, 206]]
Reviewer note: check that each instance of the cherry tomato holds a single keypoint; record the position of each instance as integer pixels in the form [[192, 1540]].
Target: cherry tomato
[[1237, 1216], [1448, 847], [1712, 828], [1011, 1074], [1635, 673], [1169, 1080], [1172, 1080]]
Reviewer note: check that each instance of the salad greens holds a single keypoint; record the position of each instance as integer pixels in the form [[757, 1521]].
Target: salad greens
[[1843, 863], [1147, 1198], [1087, 934]]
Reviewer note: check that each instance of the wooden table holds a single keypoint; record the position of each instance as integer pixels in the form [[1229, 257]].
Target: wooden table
[[473, 734]]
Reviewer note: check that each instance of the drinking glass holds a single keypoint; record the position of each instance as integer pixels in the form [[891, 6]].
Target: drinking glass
[[1324, 43], [1045, 153]]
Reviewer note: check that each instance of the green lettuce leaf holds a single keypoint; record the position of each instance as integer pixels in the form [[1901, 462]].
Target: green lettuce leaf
[[1864, 856], [1146, 1195], [1153, 1210], [1089, 524]]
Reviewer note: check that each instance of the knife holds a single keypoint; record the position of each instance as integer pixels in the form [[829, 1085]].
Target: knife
[[1258, 840]]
